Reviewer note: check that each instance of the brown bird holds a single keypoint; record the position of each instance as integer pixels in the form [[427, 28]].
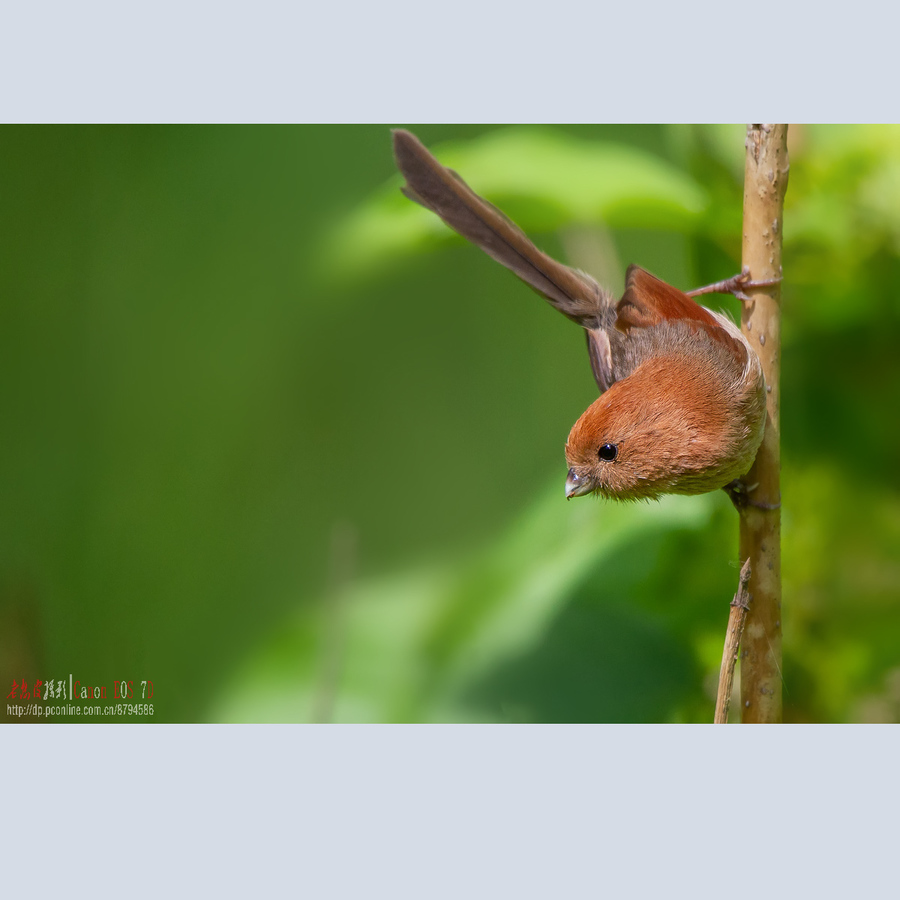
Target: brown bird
[[683, 399]]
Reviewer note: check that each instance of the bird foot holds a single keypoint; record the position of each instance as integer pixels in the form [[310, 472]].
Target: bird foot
[[734, 285], [738, 492]]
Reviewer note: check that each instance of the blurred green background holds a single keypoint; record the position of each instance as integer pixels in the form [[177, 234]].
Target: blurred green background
[[276, 440]]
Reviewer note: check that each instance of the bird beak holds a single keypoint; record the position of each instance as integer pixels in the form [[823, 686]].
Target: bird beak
[[576, 486]]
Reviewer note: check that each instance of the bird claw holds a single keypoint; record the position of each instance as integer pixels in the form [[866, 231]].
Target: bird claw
[[734, 285], [738, 492]]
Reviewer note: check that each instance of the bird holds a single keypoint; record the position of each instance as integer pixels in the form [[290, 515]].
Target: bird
[[682, 405]]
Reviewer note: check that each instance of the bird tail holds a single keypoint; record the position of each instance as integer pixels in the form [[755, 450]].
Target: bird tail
[[441, 190]]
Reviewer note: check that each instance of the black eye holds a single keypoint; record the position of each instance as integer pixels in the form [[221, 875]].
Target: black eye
[[608, 452]]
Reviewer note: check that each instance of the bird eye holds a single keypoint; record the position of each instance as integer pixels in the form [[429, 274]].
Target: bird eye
[[608, 452]]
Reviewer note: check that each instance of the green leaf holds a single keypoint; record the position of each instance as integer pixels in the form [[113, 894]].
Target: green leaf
[[414, 645]]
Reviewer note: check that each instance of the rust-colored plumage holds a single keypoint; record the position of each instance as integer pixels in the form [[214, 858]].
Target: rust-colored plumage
[[683, 402]]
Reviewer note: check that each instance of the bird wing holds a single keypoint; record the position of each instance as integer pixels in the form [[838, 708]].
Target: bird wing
[[647, 301]]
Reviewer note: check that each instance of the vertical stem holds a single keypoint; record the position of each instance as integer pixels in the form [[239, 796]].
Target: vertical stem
[[765, 182], [736, 619], [343, 563]]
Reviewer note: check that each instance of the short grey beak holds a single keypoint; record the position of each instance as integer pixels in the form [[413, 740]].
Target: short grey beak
[[576, 486]]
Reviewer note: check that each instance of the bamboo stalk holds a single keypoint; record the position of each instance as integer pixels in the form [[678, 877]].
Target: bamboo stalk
[[765, 182]]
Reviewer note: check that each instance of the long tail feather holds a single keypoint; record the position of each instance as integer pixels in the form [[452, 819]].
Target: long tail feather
[[441, 190]]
